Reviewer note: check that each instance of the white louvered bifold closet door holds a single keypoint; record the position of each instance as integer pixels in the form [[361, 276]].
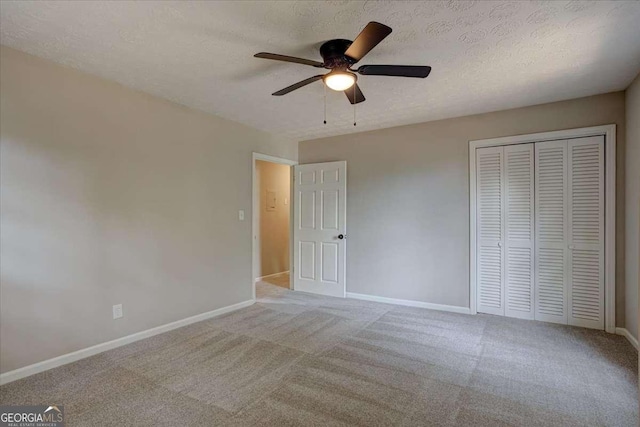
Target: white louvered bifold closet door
[[519, 230], [490, 230], [586, 232], [551, 231], [540, 231]]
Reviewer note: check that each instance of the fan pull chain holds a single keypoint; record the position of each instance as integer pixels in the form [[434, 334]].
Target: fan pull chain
[[325, 102], [354, 104]]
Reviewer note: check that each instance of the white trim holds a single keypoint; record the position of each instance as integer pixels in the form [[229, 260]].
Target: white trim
[[610, 229], [609, 132], [625, 333], [473, 244], [273, 159], [45, 365], [271, 275], [409, 303], [255, 202]]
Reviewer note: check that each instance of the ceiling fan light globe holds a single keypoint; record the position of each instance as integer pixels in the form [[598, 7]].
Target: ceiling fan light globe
[[340, 80]]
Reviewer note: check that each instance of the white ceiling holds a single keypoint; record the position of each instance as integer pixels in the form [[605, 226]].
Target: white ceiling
[[486, 55]]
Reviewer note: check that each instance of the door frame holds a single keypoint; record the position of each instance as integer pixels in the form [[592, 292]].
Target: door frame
[[609, 133], [255, 206]]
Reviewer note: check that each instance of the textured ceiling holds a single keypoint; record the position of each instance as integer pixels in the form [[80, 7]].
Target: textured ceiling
[[486, 55]]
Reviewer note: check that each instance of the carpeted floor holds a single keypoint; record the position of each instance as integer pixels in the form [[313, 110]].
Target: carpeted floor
[[299, 359], [281, 280]]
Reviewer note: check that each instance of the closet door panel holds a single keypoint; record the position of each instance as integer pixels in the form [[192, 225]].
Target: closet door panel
[[586, 232], [490, 229], [519, 230], [551, 253]]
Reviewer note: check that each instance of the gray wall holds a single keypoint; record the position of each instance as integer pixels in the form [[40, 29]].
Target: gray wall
[[112, 196], [408, 196], [632, 196]]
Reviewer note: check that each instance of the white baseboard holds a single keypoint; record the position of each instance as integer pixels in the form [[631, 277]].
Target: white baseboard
[[270, 275], [625, 333], [410, 303], [45, 365]]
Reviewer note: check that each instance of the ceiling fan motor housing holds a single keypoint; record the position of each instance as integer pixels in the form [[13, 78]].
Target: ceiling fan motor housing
[[339, 55], [332, 53]]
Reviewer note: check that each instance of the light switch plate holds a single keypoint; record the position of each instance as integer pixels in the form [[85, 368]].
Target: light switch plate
[[117, 311], [241, 215]]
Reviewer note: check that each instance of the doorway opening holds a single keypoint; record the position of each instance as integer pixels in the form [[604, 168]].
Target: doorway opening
[[272, 221]]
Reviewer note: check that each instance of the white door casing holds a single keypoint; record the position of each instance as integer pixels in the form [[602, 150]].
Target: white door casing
[[319, 222]]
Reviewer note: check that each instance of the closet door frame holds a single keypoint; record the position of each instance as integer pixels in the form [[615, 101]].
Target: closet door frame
[[609, 133]]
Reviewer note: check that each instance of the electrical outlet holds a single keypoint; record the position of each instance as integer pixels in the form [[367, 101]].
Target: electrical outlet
[[241, 215], [117, 311]]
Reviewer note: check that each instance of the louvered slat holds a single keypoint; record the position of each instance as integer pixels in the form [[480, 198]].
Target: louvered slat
[[519, 273], [586, 232], [585, 286], [519, 207], [550, 184], [489, 169], [550, 283], [551, 231]]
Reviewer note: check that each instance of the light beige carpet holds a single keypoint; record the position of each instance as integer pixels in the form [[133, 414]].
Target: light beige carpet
[[281, 279], [297, 359]]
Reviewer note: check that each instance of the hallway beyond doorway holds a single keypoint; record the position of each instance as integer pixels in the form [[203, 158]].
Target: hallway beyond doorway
[[281, 280]]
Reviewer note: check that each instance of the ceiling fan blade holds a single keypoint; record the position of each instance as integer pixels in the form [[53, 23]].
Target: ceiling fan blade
[[357, 97], [395, 70], [286, 58], [368, 38], [298, 85]]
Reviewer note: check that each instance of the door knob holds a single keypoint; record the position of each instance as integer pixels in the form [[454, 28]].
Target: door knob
[[340, 236]]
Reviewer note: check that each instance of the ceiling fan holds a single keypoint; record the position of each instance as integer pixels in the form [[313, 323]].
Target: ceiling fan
[[339, 55]]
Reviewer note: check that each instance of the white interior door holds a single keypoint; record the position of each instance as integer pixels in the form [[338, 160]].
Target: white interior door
[[490, 230], [519, 231], [320, 220], [586, 232], [551, 260]]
